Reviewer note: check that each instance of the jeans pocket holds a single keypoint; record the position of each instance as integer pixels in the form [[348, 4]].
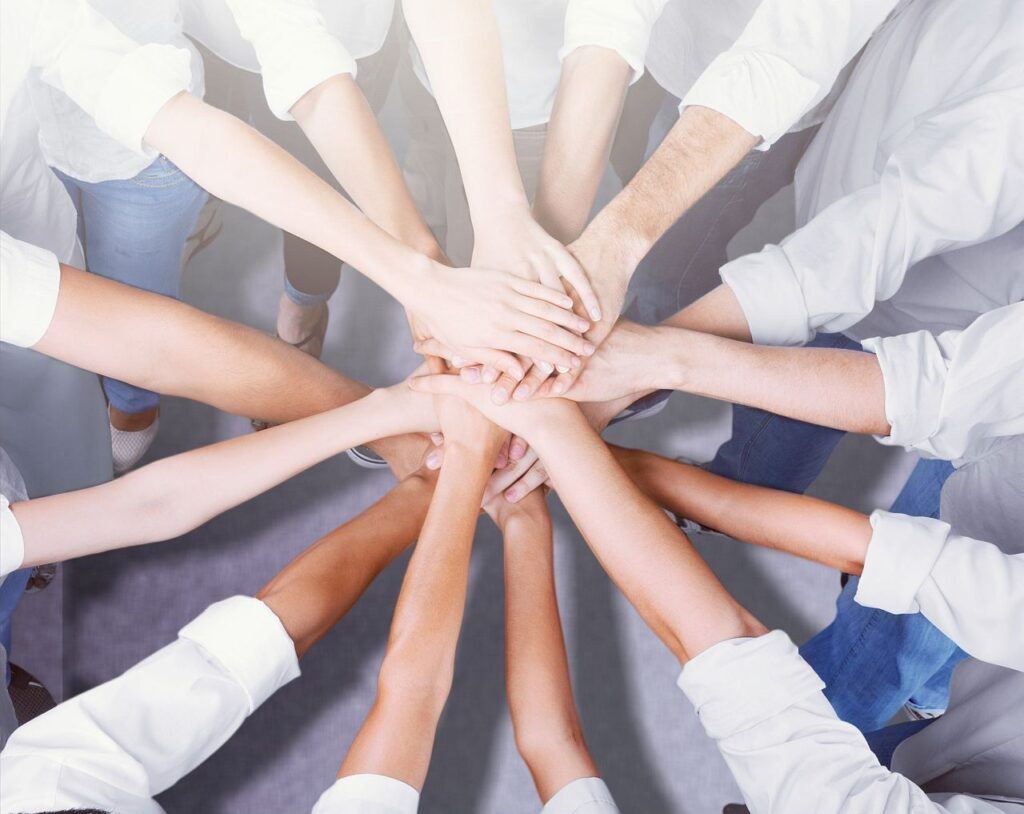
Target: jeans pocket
[[161, 173]]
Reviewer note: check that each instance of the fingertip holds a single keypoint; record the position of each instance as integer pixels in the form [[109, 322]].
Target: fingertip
[[470, 374], [576, 361], [595, 314], [499, 396], [522, 393]]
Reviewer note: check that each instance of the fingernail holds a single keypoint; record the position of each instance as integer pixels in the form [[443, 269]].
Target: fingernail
[[471, 374], [559, 388], [563, 369], [499, 395], [588, 349], [512, 495], [595, 314], [545, 367], [490, 376], [437, 438], [521, 394], [433, 460], [576, 361], [567, 302], [516, 373], [458, 361], [516, 451], [583, 325]]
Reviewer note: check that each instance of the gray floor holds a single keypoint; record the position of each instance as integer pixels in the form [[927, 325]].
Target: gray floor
[[119, 607]]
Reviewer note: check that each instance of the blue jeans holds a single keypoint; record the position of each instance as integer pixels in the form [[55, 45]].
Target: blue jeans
[[10, 594], [872, 662], [134, 231]]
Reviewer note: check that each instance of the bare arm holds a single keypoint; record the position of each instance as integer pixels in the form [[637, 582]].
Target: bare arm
[[547, 728], [397, 737], [172, 496]]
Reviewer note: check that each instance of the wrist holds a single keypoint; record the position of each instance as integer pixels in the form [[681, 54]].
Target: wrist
[[547, 434], [494, 215], [678, 359]]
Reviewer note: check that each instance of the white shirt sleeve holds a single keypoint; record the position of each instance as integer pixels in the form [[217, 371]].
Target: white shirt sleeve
[[585, 795], [623, 26], [956, 180], [785, 62], [134, 736], [763, 705], [968, 589], [121, 84], [295, 50], [12, 546], [946, 393], [368, 794], [29, 285]]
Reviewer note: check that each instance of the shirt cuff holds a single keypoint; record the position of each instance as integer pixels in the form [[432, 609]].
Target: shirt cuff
[[901, 555], [749, 87], [249, 641], [587, 791], [629, 40], [914, 374], [310, 62], [770, 296], [29, 286], [143, 82], [12, 543], [740, 683], [375, 793]]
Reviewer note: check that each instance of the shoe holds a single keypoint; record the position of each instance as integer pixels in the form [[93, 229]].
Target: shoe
[[366, 458], [128, 447], [28, 695], [919, 714]]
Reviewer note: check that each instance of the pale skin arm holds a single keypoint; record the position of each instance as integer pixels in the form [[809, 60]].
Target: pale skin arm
[[106, 327], [545, 721], [486, 315], [397, 737], [174, 495]]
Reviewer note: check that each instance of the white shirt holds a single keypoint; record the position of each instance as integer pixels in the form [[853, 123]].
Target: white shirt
[[949, 396], [912, 192], [537, 35], [368, 794], [29, 285], [119, 744], [12, 490], [118, 83], [585, 795]]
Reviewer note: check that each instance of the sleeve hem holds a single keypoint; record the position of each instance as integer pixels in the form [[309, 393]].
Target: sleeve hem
[[770, 297]]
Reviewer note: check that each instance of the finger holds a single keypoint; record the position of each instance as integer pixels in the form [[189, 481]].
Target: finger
[[433, 347], [564, 382], [526, 345], [539, 291], [441, 384], [436, 364], [554, 334], [533, 379], [502, 460], [573, 272], [517, 448], [436, 439], [470, 374], [504, 478], [548, 274], [503, 389], [536, 476], [552, 313], [435, 458], [500, 360]]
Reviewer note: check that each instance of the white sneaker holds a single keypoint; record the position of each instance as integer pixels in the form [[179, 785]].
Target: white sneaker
[[128, 447]]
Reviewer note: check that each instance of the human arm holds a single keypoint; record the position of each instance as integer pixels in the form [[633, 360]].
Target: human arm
[[174, 495], [396, 739], [459, 43], [545, 721], [907, 564]]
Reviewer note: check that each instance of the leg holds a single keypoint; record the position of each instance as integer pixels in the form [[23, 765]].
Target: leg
[[874, 662]]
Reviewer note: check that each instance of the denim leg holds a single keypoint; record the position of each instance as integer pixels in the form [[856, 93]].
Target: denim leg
[[782, 453], [11, 591], [883, 742], [873, 662], [134, 231]]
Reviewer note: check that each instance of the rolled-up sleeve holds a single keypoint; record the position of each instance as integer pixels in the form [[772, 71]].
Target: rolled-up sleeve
[[763, 705], [785, 61], [956, 180], [368, 794], [968, 589], [945, 394], [121, 84], [623, 26], [29, 285], [295, 50]]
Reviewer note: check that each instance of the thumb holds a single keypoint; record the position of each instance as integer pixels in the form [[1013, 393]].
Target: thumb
[[442, 383]]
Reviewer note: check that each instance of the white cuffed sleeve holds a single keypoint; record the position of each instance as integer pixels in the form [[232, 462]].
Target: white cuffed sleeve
[[946, 394], [29, 285], [121, 84], [787, 750], [956, 180], [623, 26], [587, 795], [968, 589], [368, 794], [295, 50], [785, 61]]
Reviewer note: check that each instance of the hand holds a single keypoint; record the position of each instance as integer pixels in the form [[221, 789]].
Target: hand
[[486, 316], [465, 426], [625, 364], [512, 240], [533, 509]]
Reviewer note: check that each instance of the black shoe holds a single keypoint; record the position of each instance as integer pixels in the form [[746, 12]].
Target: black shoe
[[29, 697], [735, 808]]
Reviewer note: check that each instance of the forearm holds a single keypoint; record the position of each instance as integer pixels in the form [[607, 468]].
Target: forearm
[[699, 150], [175, 495], [340, 124], [641, 549], [591, 93], [321, 584], [397, 737], [237, 164], [459, 43], [544, 717], [797, 524]]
